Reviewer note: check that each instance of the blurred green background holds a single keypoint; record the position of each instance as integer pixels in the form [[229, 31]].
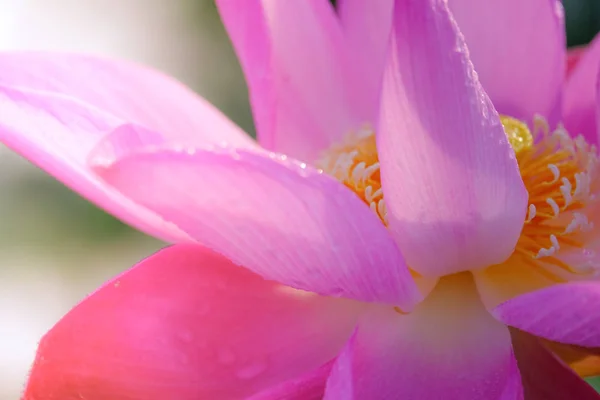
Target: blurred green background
[[54, 246], [583, 20]]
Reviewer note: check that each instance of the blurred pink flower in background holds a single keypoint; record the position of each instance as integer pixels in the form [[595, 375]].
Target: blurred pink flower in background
[[283, 282]]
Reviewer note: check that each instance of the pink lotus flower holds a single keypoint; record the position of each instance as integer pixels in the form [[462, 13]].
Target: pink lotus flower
[[283, 283]]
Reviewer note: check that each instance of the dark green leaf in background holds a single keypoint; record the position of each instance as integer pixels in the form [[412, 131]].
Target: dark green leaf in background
[[582, 17]]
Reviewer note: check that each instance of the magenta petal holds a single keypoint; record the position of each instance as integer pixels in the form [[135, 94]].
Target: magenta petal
[[296, 76], [285, 221], [580, 97], [451, 182], [130, 92], [448, 348], [544, 376], [310, 386], [340, 385], [57, 133], [367, 27], [186, 324], [518, 49], [566, 313], [574, 55]]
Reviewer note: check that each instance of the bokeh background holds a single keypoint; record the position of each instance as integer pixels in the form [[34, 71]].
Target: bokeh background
[[54, 246]]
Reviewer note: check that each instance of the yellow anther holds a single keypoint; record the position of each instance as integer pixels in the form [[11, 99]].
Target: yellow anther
[[519, 135], [355, 163], [560, 173]]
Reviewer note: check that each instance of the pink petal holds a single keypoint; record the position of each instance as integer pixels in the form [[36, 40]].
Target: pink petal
[[340, 385], [186, 324], [579, 99], [574, 55], [367, 26], [130, 92], [544, 376], [57, 133], [296, 76], [448, 348], [518, 49], [451, 182], [283, 220], [310, 386], [566, 313]]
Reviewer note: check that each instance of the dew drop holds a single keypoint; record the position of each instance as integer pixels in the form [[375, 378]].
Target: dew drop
[[184, 359], [186, 336], [252, 370], [163, 341], [190, 150], [203, 309], [225, 356], [337, 292]]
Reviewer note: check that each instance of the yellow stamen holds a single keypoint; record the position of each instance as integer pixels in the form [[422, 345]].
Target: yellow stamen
[[559, 172], [561, 176], [355, 163], [400, 311], [518, 134]]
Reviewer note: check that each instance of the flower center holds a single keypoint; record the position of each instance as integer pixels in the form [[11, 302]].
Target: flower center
[[355, 163], [560, 173]]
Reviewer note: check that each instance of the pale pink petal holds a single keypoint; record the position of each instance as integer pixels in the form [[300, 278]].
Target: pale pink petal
[[451, 182], [293, 56], [57, 133], [310, 386], [186, 324], [123, 141], [367, 26], [283, 220], [449, 348], [544, 376], [566, 313], [518, 49], [579, 98], [130, 92]]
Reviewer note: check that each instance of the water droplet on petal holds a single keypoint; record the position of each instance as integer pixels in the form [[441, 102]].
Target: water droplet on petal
[[252, 370], [184, 359], [163, 341], [225, 356], [186, 336], [203, 309], [589, 253]]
